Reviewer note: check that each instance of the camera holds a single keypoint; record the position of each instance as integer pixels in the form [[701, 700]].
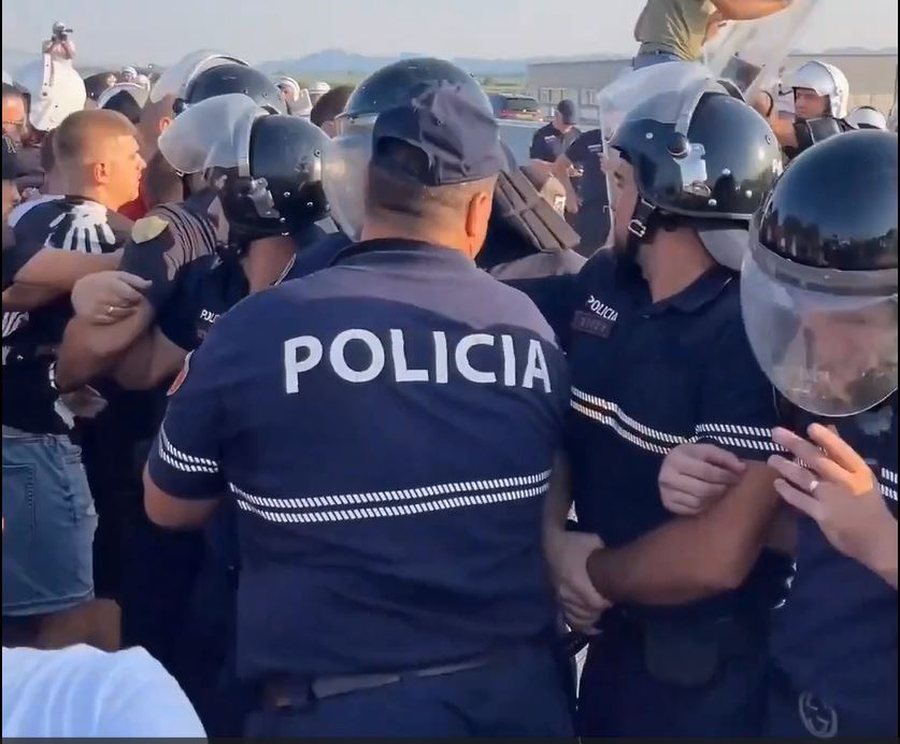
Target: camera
[[60, 32]]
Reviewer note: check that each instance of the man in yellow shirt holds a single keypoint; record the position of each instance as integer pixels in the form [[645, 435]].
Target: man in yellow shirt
[[675, 30]]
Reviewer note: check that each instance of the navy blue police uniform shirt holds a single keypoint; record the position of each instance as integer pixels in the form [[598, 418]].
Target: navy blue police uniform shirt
[[836, 637], [549, 143], [647, 377], [70, 223], [386, 427], [587, 151], [170, 238], [210, 286]]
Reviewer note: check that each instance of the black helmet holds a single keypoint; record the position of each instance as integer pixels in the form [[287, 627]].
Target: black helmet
[[714, 161], [836, 206], [283, 191], [819, 286], [723, 167], [399, 83], [232, 77]]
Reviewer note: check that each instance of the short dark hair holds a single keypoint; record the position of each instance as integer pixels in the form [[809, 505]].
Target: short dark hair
[[330, 105], [124, 103], [12, 91], [395, 185]]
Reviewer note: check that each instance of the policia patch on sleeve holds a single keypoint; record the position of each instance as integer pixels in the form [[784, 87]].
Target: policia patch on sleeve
[[181, 377], [148, 228]]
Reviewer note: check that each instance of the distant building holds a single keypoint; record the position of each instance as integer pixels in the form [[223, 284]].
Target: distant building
[[872, 77]]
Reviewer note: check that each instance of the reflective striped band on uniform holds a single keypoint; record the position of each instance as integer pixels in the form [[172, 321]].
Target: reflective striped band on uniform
[[396, 503], [888, 484], [179, 460], [661, 442]]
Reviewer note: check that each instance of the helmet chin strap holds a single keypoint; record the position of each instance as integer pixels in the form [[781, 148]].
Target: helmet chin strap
[[641, 227]]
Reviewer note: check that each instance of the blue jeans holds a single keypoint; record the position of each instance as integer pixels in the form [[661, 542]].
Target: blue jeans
[[49, 523], [647, 59]]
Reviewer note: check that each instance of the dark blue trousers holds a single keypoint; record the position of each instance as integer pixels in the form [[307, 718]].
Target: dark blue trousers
[[522, 695], [620, 697]]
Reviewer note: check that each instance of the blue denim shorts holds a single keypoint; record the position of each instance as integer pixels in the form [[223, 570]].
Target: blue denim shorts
[[49, 523]]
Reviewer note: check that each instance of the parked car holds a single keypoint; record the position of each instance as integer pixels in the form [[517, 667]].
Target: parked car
[[521, 108]]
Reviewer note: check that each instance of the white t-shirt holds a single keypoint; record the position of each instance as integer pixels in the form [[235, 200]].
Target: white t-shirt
[[81, 691]]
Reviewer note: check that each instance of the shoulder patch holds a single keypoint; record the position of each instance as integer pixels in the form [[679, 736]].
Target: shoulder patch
[[181, 377], [147, 228]]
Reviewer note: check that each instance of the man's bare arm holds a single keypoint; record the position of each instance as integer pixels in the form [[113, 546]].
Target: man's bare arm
[[52, 273], [561, 169], [692, 557], [748, 10], [150, 361], [89, 350]]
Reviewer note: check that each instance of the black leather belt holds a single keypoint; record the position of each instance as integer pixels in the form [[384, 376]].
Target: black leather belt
[[286, 692]]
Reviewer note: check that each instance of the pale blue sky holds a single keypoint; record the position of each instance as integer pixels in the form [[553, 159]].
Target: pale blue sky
[[163, 30]]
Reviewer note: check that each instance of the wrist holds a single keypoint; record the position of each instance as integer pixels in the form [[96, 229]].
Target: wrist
[[882, 552]]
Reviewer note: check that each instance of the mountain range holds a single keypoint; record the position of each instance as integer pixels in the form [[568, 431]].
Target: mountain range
[[337, 62]]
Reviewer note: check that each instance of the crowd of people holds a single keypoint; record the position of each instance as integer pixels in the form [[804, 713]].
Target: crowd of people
[[322, 416]]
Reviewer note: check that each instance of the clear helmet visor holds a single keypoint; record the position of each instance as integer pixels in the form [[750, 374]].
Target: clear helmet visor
[[751, 53], [345, 165], [668, 94], [214, 133], [830, 354], [175, 79]]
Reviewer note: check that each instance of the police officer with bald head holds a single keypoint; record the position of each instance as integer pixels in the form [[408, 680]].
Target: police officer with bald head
[[387, 429]]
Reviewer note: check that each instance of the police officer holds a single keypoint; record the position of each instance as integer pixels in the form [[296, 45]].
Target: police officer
[[844, 496], [360, 611], [823, 270], [658, 356], [553, 139], [821, 94], [589, 203], [525, 235]]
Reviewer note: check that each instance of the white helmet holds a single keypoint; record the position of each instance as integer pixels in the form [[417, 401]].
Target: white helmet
[[6, 78], [56, 91], [319, 88], [288, 83], [825, 80], [138, 92], [129, 74], [867, 117]]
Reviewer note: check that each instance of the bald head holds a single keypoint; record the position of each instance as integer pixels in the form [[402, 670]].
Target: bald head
[[97, 154]]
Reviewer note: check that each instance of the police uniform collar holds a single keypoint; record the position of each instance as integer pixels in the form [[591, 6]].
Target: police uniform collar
[[701, 292], [403, 249]]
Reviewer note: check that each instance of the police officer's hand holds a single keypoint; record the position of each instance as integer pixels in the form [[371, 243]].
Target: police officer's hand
[[693, 477], [108, 296], [836, 487], [567, 553]]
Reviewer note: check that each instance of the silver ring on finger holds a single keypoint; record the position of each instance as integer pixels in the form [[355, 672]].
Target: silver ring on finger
[[813, 486]]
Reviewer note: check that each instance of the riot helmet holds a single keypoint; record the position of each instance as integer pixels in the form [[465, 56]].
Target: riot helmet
[[698, 156], [826, 81], [228, 78], [349, 153], [819, 283], [266, 167], [867, 117]]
